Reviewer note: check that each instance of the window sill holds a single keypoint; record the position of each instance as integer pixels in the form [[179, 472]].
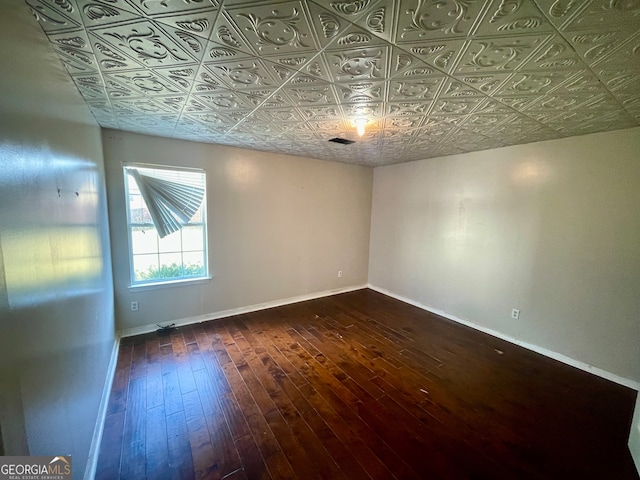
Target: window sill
[[171, 283]]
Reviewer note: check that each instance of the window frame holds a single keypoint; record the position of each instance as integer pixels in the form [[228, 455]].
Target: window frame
[[164, 282]]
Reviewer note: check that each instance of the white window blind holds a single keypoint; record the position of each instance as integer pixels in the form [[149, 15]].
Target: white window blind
[[172, 196]]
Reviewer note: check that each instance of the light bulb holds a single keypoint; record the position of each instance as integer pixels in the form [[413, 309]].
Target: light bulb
[[360, 124]]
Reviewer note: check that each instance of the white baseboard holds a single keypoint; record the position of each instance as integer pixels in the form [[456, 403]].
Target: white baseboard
[[94, 450], [129, 332], [535, 348]]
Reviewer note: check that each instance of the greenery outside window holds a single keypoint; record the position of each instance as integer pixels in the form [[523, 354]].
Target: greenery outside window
[[166, 223]]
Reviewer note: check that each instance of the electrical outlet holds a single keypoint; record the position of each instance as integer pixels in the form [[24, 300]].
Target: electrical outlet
[[339, 273], [515, 313], [134, 306]]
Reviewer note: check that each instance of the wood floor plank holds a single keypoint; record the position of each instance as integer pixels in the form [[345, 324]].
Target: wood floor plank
[[133, 460], [179, 448], [156, 445], [111, 446], [355, 386], [205, 460]]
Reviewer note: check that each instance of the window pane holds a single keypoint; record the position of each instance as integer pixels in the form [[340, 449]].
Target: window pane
[[192, 238], [193, 263], [197, 217], [145, 267], [181, 254], [144, 240], [170, 265], [171, 243]]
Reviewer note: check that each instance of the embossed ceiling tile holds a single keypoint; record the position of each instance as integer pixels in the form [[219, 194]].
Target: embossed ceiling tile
[[145, 42], [279, 72], [303, 66], [138, 106], [243, 73], [280, 115], [581, 82], [355, 37], [222, 100], [533, 84], [91, 87], [503, 105], [555, 54], [513, 17], [625, 59], [163, 124], [256, 126], [321, 112], [454, 89], [361, 92], [409, 109], [395, 126], [419, 90], [214, 123], [560, 12], [380, 20], [75, 52], [226, 35], [360, 64], [614, 77], [182, 77], [116, 90], [631, 102], [455, 106], [605, 103], [370, 111], [351, 10], [190, 42], [275, 99], [595, 46], [600, 14], [484, 83], [501, 54], [437, 121], [71, 43], [160, 7], [208, 80], [482, 123], [281, 28], [149, 82], [109, 58], [420, 20], [443, 54], [55, 18], [515, 102], [315, 94], [193, 105], [403, 64], [553, 103], [95, 13], [198, 23]]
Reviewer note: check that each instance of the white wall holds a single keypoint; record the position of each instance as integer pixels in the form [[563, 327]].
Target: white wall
[[279, 227], [550, 228], [56, 293]]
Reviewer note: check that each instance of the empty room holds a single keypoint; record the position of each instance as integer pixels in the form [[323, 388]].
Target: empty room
[[341, 239]]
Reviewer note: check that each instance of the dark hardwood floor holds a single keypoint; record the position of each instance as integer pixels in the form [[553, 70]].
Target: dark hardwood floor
[[356, 386]]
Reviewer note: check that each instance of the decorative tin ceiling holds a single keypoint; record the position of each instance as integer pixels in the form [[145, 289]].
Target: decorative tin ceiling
[[431, 77]]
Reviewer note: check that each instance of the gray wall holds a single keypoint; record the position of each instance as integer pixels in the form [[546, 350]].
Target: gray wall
[[56, 293], [550, 228], [279, 227]]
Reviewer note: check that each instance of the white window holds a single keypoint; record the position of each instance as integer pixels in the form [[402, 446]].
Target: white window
[[167, 223]]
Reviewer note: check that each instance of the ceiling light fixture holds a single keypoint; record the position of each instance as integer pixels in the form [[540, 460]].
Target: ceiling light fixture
[[360, 123]]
